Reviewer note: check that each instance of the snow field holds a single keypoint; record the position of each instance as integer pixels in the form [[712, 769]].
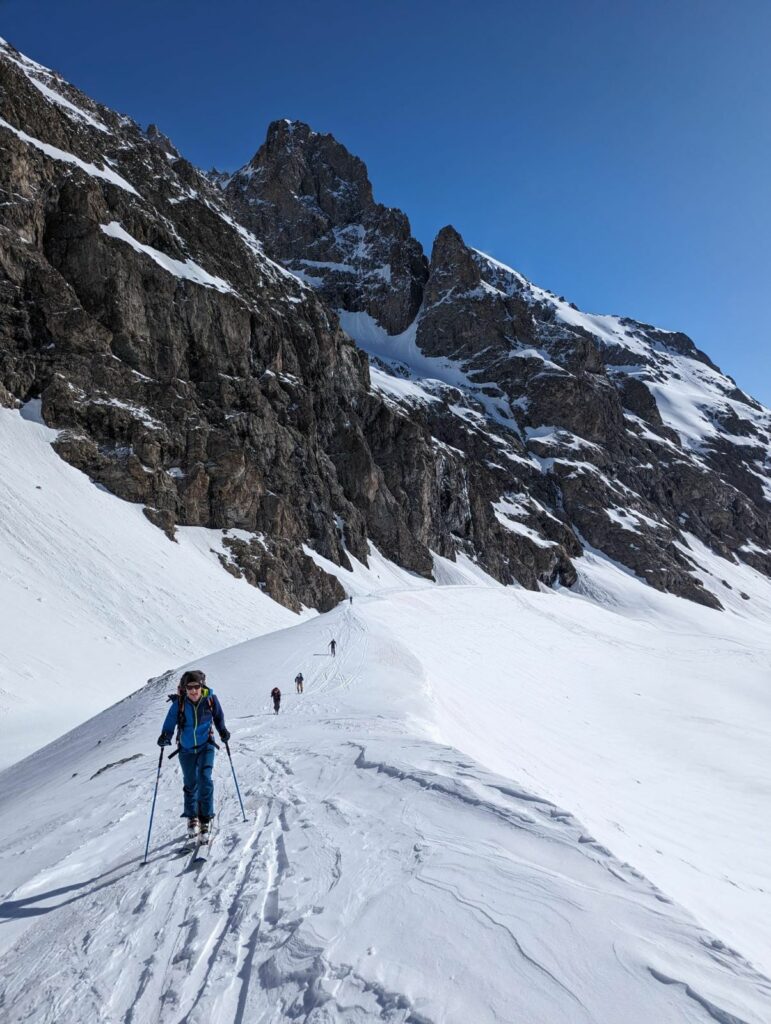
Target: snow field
[[382, 876]]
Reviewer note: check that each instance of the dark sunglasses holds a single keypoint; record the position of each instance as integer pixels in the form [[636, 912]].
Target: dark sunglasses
[[193, 686]]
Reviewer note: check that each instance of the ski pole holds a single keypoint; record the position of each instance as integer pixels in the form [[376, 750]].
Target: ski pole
[[232, 768], [152, 810]]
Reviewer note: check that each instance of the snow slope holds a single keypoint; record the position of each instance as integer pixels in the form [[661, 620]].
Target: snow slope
[[390, 868], [94, 598]]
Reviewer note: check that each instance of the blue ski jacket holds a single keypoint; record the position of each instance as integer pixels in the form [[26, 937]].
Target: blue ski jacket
[[196, 719]]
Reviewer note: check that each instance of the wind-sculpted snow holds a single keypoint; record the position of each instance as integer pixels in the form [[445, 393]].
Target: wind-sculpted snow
[[382, 874]]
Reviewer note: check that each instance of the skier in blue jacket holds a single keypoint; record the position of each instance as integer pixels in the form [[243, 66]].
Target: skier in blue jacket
[[194, 711]]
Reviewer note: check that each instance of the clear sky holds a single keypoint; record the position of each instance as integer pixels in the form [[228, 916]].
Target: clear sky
[[617, 152]]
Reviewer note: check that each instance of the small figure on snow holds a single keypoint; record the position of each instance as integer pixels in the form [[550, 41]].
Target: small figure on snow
[[276, 695], [194, 711], [332, 647], [298, 682]]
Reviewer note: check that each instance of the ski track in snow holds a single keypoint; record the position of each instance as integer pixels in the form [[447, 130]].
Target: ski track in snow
[[380, 877]]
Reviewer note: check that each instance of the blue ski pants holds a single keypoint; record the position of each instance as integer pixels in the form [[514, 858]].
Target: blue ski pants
[[198, 785]]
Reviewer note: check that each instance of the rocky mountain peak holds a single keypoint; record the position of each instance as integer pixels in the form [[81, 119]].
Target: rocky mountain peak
[[452, 266], [163, 142], [622, 432], [317, 168], [310, 201]]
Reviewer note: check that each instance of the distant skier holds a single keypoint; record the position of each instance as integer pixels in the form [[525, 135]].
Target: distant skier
[[332, 647], [194, 711], [298, 682], [276, 695], [350, 599]]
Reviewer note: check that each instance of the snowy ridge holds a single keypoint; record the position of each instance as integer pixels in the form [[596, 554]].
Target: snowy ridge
[[383, 875], [569, 395], [689, 390], [43, 80]]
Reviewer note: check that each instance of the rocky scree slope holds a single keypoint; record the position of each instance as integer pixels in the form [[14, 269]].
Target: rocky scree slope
[[572, 429], [188, 371]]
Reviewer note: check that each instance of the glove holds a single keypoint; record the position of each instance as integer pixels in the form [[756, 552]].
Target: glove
[[224, 735], [164, 740]]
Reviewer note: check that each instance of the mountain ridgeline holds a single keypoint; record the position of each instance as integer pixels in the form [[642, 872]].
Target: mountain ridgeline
[[270, 353]]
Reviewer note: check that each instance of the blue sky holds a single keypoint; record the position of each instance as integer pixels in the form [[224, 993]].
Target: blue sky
[[615, 151]]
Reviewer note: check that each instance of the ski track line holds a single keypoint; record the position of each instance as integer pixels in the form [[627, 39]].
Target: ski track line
[[322, 683], [205, 895], [254, 928], [204, 962]]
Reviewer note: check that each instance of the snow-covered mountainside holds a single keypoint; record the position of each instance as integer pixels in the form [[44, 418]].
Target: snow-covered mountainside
[[94, 598], [410, 854], [570, 428]]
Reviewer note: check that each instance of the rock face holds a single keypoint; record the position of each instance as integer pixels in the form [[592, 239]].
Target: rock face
[[185, 369], [189, 370], [574, 428], [312, 200]]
